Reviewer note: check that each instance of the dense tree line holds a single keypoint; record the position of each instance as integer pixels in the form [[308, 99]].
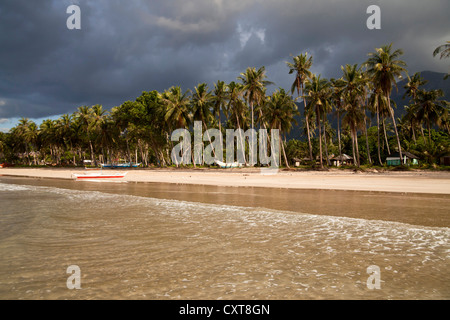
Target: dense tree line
[[139, 130]]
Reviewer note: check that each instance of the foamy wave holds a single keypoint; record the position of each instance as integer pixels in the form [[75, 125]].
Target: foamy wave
[[13, 187], [250, 215]]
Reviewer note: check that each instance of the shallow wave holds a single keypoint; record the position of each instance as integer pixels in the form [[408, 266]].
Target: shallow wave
[[253, 215], [14, 187]]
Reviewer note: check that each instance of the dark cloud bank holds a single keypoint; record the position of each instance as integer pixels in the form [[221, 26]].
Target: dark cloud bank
[[126, 47]]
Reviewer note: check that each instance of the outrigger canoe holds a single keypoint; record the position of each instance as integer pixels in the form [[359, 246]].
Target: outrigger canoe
[[95, 175], [120, 165], [228, 165]]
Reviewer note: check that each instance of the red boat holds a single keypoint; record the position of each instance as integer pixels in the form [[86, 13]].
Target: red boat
[[95, 175]]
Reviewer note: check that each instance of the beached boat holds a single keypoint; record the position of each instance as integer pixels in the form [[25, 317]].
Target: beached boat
[[228, 165], [97, 175], [120, 165]]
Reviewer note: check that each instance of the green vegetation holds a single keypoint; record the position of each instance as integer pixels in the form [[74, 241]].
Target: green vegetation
[[139, 131]]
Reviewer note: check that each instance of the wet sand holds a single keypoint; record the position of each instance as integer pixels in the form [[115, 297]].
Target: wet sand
[[399, 182]]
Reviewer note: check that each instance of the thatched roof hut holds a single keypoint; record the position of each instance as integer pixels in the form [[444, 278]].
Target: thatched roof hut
[[342, 159]]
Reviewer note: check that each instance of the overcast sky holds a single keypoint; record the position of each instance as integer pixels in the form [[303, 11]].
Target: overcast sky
[[126, 47]]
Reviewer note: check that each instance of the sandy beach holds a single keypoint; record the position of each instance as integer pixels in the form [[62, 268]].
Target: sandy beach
[[403, 182]]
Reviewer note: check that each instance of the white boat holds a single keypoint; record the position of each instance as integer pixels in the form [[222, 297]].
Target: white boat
[[120, 165], [228, 165], [98, 175]]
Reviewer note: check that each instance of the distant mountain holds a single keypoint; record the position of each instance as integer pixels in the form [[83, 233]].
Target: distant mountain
[[435, 81]]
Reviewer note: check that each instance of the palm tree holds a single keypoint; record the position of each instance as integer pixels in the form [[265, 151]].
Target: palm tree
[[412, 119], [96, 124], [444, 119], [124, 116], [177, 108], [366, 107], [279, 113], [377, 103], [31, 137], [26, 131], [384, 67], [254, 89], [429, 109], [64, 128], [413, 85], [354, 119], [177, 113], [236, 109], [301, 66], [84, 117], [105, 138], [443, 49], [353, 91], [318, 96], [49, 137], [202, 101], [219, 102], [337, 100]]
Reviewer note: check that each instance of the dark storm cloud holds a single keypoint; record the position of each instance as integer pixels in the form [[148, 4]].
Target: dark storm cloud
[[125, 47]]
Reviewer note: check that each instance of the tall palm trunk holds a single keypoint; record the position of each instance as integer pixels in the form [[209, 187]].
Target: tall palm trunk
[[395, 129], [128, 150], [367, 141], [378, 135], [307, 129], [240, 138], [220, 130], [422, 133], [356, 145], [73, 153], [136, 154], [320, 136], [339, 135], [284, 152], [28, 155], [353, 146], [385, 137], [325, 139], [251, 106], [261, 117], [34, 156], [92, 153], [171, 148], [192, 155], [429, 131]]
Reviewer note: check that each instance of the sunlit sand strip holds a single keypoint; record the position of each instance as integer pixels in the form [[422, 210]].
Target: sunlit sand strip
[[403, 182]]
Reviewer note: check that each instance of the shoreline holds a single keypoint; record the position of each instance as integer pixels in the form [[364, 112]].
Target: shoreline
[[396, 182]]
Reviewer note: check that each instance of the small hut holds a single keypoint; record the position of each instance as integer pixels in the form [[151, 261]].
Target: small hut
[[296, 161], [343, 159], [445, 160], [408, 159]]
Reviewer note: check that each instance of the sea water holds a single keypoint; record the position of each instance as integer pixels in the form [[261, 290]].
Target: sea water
[[150, 241]]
